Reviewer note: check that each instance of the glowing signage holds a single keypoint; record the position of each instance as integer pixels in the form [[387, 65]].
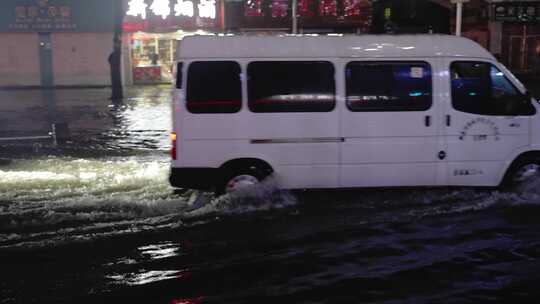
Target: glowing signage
[[184, 8], [56, 16], [207, 9], [136, 8], [161, 8]]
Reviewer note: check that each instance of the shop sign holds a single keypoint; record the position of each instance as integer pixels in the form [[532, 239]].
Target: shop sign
[[516, 11], [56, 16], [310, 13], [151, 14]]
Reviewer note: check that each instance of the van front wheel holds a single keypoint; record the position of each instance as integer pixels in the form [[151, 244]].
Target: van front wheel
[[525, 173], [520, 173]]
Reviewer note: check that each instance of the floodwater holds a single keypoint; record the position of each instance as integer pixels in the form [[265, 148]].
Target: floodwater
[[95, 221]]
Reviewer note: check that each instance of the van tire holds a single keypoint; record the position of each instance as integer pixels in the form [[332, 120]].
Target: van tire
[[248, 175], [519, 172]]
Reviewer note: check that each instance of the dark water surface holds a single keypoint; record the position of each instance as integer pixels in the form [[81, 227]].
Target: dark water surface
[[95, 221]]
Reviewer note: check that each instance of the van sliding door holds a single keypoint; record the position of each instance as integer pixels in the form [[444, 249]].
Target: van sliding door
[[292, 119], [389, 124]]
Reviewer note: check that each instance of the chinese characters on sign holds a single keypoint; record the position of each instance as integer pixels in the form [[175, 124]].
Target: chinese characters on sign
[[184, 8], [517, 11], [161, 8], [207, 9], [305, 8], [43, 16], [280, 8], [254, 8], [310, 13], [308, 8], [327, 8], [136, 8], [164, 8]]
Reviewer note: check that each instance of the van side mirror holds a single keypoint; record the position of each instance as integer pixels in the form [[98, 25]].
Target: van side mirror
[[526, 106], [528, 95]]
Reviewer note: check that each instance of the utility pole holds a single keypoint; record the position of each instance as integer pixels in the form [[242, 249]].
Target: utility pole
[[115, 59], [459, 14], [294, 17]]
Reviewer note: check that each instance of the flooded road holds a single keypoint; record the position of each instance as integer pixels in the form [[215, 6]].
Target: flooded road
[[95, 221]]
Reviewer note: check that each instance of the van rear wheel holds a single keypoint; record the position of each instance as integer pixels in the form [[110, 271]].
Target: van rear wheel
[[238, 179]]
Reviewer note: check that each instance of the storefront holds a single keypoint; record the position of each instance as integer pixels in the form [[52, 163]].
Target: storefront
[[520, 34], [153, 30], [55, 42]]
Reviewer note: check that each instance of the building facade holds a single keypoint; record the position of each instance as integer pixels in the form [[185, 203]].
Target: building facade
[[507, 28], [152, 32], [515, 29], [55, 42], [49, 43]]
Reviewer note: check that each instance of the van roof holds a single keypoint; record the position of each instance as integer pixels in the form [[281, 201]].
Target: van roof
[[302, 46]]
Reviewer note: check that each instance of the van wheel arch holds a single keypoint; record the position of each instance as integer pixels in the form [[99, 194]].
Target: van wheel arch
[[253, 166], [530, 157]]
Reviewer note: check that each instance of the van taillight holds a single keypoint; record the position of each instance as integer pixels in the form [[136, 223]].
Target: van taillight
[[173, 149]]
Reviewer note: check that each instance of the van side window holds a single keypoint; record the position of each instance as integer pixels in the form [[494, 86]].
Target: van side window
[[291, 86], [388, 86], [179, 75], [481, 88], [214, 87]]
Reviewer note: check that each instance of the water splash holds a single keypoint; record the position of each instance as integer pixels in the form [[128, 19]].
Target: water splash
[[262, 197], [54, 200]]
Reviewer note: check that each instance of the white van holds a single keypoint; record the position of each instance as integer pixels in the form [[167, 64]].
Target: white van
[[350, 111]]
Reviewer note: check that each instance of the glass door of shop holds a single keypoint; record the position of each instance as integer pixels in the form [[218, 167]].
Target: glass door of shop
[[153, 58]]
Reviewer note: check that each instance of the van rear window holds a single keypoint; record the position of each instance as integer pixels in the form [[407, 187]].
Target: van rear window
[[388, 86], [291, 86], [214, 87]]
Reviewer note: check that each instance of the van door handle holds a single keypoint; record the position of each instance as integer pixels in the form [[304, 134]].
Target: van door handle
[[448, 120], [427, 120]]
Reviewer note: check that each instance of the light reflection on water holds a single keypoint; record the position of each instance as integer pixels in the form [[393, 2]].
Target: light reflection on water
[[147, 277], [160, 251], [147, 254], [141, 121]]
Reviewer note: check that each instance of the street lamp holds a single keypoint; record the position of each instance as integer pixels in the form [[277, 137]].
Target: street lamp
[[459, 14]]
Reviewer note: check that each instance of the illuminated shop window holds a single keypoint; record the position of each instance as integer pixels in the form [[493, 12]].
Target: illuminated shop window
[[387, 13]]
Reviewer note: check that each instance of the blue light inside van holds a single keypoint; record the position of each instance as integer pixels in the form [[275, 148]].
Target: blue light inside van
[[415, 94], [472, 94]]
